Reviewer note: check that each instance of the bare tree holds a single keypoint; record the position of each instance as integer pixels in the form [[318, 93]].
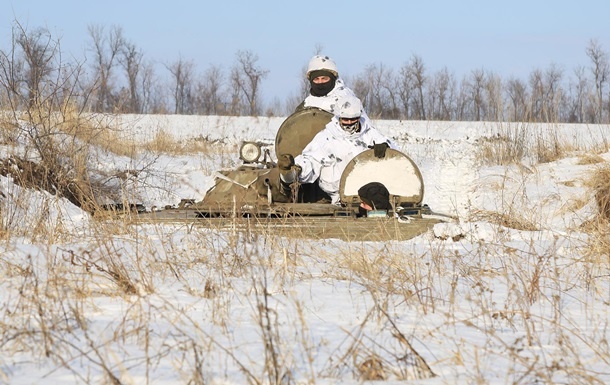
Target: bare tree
[[246, 77], [362, 87], [12, 69], [516, 90], [235, 98], [462, 102], [406, 89], [131, 60], [209, 92], [376, 80], [475, 86], [151, 96], [376, 100], [297, 98], [494, 101], [55, 137], [442, 89], [417, 69], [33, 75], [275, 107], [553, 93], [578, 91], [536, 80], [39, 51], [601, 70], [182, 77], [105, 50], [122, 81], [389, 84]]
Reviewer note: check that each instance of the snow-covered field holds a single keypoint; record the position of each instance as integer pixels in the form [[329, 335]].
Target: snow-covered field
[[516, 291]]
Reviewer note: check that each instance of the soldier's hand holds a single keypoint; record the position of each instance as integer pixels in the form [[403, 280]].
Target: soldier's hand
[[379, 149], [285, 162]]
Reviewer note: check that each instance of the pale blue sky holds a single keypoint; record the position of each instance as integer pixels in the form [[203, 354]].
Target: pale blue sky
[[507, 37]]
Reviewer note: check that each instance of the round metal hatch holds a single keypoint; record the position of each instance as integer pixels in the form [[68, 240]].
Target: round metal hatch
[[396, 171], [299, 129]]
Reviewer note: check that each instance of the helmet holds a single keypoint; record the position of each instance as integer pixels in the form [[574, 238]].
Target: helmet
[[349, 107], [320, 62]]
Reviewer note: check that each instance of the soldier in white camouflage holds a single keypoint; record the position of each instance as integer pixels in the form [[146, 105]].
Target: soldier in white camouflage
[[325, 85], [324, 159]]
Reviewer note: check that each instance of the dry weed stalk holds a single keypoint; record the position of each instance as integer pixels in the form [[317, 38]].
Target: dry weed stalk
[[514, 142], [50, 315], [510, 220], [588, 158], [597, 252], [382, 353], [163, 142], [508, 146], [600, 182]]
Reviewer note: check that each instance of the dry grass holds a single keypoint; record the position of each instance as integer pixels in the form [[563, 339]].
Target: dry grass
[[55, 157], [107, 139], [8, 129], [588, 159], [600, 183], [200, 304], [519, 142], [404, 302], [87, 129], [165, 143], [597, 251], [499, 151], [511, 220]]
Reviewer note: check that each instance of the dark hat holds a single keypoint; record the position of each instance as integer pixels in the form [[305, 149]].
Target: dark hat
[[323, 72], [375, 195]]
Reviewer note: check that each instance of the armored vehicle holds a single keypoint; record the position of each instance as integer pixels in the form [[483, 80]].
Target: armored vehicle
[[252, 197]]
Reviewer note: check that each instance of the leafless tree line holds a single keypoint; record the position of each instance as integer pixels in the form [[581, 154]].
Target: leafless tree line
[[121, 80], [115, 77], [547, 95]]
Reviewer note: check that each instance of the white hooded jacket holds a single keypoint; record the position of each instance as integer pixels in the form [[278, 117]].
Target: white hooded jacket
[[328, 154]]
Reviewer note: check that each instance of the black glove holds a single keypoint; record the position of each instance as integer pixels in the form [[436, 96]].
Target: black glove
[[285, 162], [379, 149]]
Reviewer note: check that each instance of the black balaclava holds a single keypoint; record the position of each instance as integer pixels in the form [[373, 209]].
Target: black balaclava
[[321, 89]]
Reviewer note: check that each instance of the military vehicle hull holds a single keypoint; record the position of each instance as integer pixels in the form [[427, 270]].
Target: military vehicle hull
[[326, 226], [251, 197]]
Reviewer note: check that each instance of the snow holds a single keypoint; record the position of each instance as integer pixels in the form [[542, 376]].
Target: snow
[[478, 300]]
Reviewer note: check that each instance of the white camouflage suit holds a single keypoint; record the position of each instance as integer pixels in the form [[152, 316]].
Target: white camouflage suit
[[329, 101], [328, 154]]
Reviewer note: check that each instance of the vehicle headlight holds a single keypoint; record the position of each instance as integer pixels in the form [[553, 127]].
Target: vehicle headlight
[[250, 152]]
